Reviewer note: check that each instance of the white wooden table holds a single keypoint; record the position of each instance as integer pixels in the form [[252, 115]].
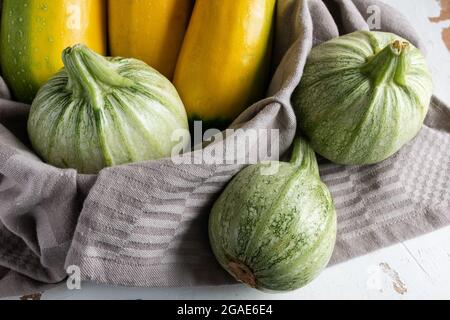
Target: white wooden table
[[415, 269]]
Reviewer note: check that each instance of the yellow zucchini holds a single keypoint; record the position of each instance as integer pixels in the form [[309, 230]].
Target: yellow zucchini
[[224, 62], [35, 32], [149, 30]]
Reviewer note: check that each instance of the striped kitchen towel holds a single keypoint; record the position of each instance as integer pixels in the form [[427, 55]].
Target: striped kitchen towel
[[145, 224]]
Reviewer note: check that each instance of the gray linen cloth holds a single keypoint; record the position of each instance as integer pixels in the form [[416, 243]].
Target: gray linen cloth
[[145, 224]]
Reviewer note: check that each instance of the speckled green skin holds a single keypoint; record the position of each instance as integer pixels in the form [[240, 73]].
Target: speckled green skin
[[101, 112], [282, 227], [15, 52], [360, 99]]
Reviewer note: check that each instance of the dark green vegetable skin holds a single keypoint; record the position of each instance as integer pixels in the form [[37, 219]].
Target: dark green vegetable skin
[[275, 232]]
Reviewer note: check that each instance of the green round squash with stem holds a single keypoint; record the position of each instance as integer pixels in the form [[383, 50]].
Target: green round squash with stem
[[362, 97], [275, 232], [99, 112]]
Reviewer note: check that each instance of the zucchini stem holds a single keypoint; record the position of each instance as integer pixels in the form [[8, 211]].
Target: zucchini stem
[[90, 76], [304, 157], [90, 72], [390, 64]]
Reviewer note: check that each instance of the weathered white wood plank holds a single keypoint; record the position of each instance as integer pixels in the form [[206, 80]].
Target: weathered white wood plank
[[417, 269]]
